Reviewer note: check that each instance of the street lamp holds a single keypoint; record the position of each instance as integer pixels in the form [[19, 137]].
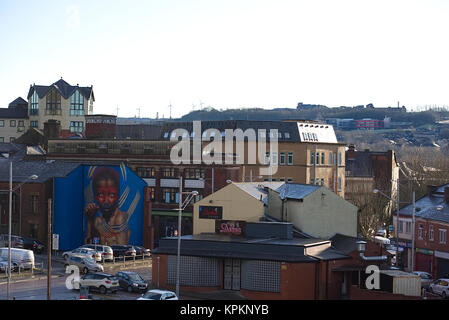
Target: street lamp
[[32, 177], [397, 226], [182, 206]]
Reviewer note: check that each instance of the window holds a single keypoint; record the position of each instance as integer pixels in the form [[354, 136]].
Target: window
[[290, 158], [76, 126], [330, 158], [145, 172], [12, 123], [21, 123], [151, 193], [53, 102], [442, 235], [34, 203], [170, 195], [170, 172], [312, 157], [430, 233], [33, 124], [287, 135], [262, 276], [317, 158], [34, 106], [322, 158], [312, 181], [12, 139], [2, 123], [2, 139], [194, 173], [420, 230], [339, 159], [77, 104], [289, 179], [282, 159], [267, 158], [338, 184], [400, 227]]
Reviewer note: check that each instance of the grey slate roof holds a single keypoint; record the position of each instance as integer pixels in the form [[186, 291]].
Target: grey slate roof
[[296, 191], [23, 169], [18, 102], [64, 88], [431, 207], [13, 113]]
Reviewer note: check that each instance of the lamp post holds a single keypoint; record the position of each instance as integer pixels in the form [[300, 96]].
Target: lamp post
[[397, 226], [32, 177], [182, 206]]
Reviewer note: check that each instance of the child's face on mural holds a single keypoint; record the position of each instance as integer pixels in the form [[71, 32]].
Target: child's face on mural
[[107, 195]]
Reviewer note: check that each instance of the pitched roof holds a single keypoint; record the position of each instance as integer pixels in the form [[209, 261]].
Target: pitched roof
[[296, 191], [258, 189], [23, 169], [13, 113], [63, 87], [430, 207], [18, 101]]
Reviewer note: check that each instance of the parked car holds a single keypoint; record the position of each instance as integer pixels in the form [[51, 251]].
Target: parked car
[[120, 250], [105, 252], [158, 295], [23, 258], [83, 252], [131, 281], [440, 287], [142, 252], [16, 241], [426, 278], [84, 264], [33, 244], [103, 282]]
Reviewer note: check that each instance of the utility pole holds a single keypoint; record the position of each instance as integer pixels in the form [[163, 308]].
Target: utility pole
[[49, 238]]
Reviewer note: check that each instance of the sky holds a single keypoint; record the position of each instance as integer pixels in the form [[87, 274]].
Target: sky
[[143, 56]]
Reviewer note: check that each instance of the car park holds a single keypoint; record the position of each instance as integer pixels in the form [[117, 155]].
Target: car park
[[103, 282], [83, 252], [84, 264], [16, 241], [131, 281], [33, 244], [440, 287], [106, 252], [142, 252], [126, 251], [426, 278], [158, 295]]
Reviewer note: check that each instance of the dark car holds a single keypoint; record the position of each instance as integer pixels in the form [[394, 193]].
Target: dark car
[[16, 241], [142, 252], [33, 244], [123, 250], [131, 281]]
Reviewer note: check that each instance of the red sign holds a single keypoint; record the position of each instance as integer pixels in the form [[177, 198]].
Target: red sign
[[226, 227]]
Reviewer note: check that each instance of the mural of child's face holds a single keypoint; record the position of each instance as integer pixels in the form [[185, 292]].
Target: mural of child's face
[[107, 195]]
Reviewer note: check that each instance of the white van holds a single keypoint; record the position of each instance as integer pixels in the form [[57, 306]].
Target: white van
[[22, 257]]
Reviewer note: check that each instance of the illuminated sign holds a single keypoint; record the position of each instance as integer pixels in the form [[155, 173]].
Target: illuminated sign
[[226, 227], [209, 212]]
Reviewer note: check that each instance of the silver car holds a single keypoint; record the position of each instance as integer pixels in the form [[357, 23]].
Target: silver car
[[426, 278], [84, 264]]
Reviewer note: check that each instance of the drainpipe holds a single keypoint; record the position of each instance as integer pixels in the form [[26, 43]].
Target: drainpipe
[[361, 245]]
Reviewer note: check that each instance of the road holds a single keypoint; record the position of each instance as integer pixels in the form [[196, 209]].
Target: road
[[35, 288]]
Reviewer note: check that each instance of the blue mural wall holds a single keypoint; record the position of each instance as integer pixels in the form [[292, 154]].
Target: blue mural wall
[[99, 203]]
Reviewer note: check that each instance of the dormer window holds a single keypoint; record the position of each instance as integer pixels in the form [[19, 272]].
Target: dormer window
[[34, 106]]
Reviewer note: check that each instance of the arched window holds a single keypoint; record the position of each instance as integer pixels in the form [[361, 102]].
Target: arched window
[[77, 104]]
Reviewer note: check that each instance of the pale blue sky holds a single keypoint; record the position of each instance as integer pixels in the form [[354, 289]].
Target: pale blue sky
[[228, 54]]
